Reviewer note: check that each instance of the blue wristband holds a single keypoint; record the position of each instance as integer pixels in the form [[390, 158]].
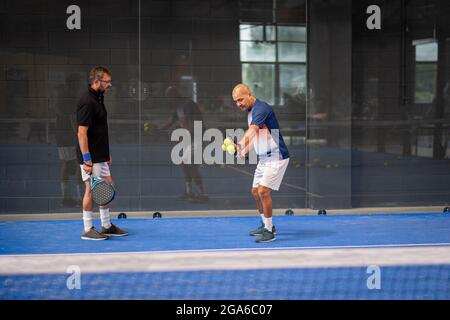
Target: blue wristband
[[87, 157]]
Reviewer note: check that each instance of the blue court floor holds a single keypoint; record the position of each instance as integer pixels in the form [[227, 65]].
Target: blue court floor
[[195, 236], [47, 237]]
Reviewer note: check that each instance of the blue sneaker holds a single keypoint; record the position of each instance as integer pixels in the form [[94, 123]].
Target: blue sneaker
[[260, 229], [266, 236]]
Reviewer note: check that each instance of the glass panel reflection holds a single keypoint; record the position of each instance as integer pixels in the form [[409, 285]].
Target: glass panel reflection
[[426, 70]]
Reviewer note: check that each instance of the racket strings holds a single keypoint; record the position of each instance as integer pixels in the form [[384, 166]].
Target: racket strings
[[102, 193]]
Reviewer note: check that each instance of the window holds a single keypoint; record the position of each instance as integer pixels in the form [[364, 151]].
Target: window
[[426, 71], [273, 60]]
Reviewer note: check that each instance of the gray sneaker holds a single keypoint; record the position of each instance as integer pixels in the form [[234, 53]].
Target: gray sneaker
[[114, 231], [93, 234], [266, 236], [260, 229]]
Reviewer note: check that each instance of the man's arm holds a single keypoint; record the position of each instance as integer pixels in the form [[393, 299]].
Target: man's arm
[[83, 139], [84, 147], [168, 123], [247, 141]]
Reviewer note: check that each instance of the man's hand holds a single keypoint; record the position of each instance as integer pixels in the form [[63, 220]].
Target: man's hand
[[229, 146], [234, 149], [240, 154], [87, 167]]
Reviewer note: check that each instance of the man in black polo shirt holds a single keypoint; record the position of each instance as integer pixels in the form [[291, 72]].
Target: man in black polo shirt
[[93, 151]]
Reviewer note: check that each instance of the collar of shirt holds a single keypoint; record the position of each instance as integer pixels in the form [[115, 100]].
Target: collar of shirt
[[99, 95]]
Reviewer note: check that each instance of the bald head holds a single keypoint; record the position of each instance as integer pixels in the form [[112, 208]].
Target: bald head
[[242, 88], [243, 96]]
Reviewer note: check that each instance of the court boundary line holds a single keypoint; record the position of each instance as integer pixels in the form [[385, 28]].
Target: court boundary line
[[227, 261], [407, 245]]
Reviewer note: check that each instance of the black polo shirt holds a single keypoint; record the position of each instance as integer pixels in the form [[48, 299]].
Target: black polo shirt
[[91, 112]]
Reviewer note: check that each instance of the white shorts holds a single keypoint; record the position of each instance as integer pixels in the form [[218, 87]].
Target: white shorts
[[100, 169], [270, 173]]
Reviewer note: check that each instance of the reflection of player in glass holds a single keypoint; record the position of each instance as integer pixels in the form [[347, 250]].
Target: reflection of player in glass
[[65, 134], [185, 113], [264, 136], [93, 151]]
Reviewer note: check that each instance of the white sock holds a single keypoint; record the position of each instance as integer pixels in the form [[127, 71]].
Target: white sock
[[87, 220], [268, 224], [64, 189], [188, 188], [104, 216], [262, 218]]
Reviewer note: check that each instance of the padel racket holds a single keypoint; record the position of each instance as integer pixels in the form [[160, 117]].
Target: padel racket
[[102, 192]]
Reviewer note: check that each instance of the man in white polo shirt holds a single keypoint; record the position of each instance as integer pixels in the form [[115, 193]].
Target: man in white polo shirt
[[264, 136]]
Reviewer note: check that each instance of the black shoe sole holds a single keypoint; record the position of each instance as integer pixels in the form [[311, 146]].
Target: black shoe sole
[[115, 235], [258, 234], [270, 240]]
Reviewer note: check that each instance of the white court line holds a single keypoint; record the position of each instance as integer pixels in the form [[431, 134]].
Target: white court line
[[443, 244], [236, 260]]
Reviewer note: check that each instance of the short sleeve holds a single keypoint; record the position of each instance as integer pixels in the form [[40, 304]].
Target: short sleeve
[[85, 115], [259, 116]]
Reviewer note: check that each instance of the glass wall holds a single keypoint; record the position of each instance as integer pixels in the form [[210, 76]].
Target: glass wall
[[328, 120], [400, 105], [46, 51], [364, 112], [172, 63]]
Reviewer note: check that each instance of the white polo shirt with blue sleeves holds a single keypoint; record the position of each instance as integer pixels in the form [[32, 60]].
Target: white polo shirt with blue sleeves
[[269, 141]]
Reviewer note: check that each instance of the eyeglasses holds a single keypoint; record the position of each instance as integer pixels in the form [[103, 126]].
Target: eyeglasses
[[106, 81]]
